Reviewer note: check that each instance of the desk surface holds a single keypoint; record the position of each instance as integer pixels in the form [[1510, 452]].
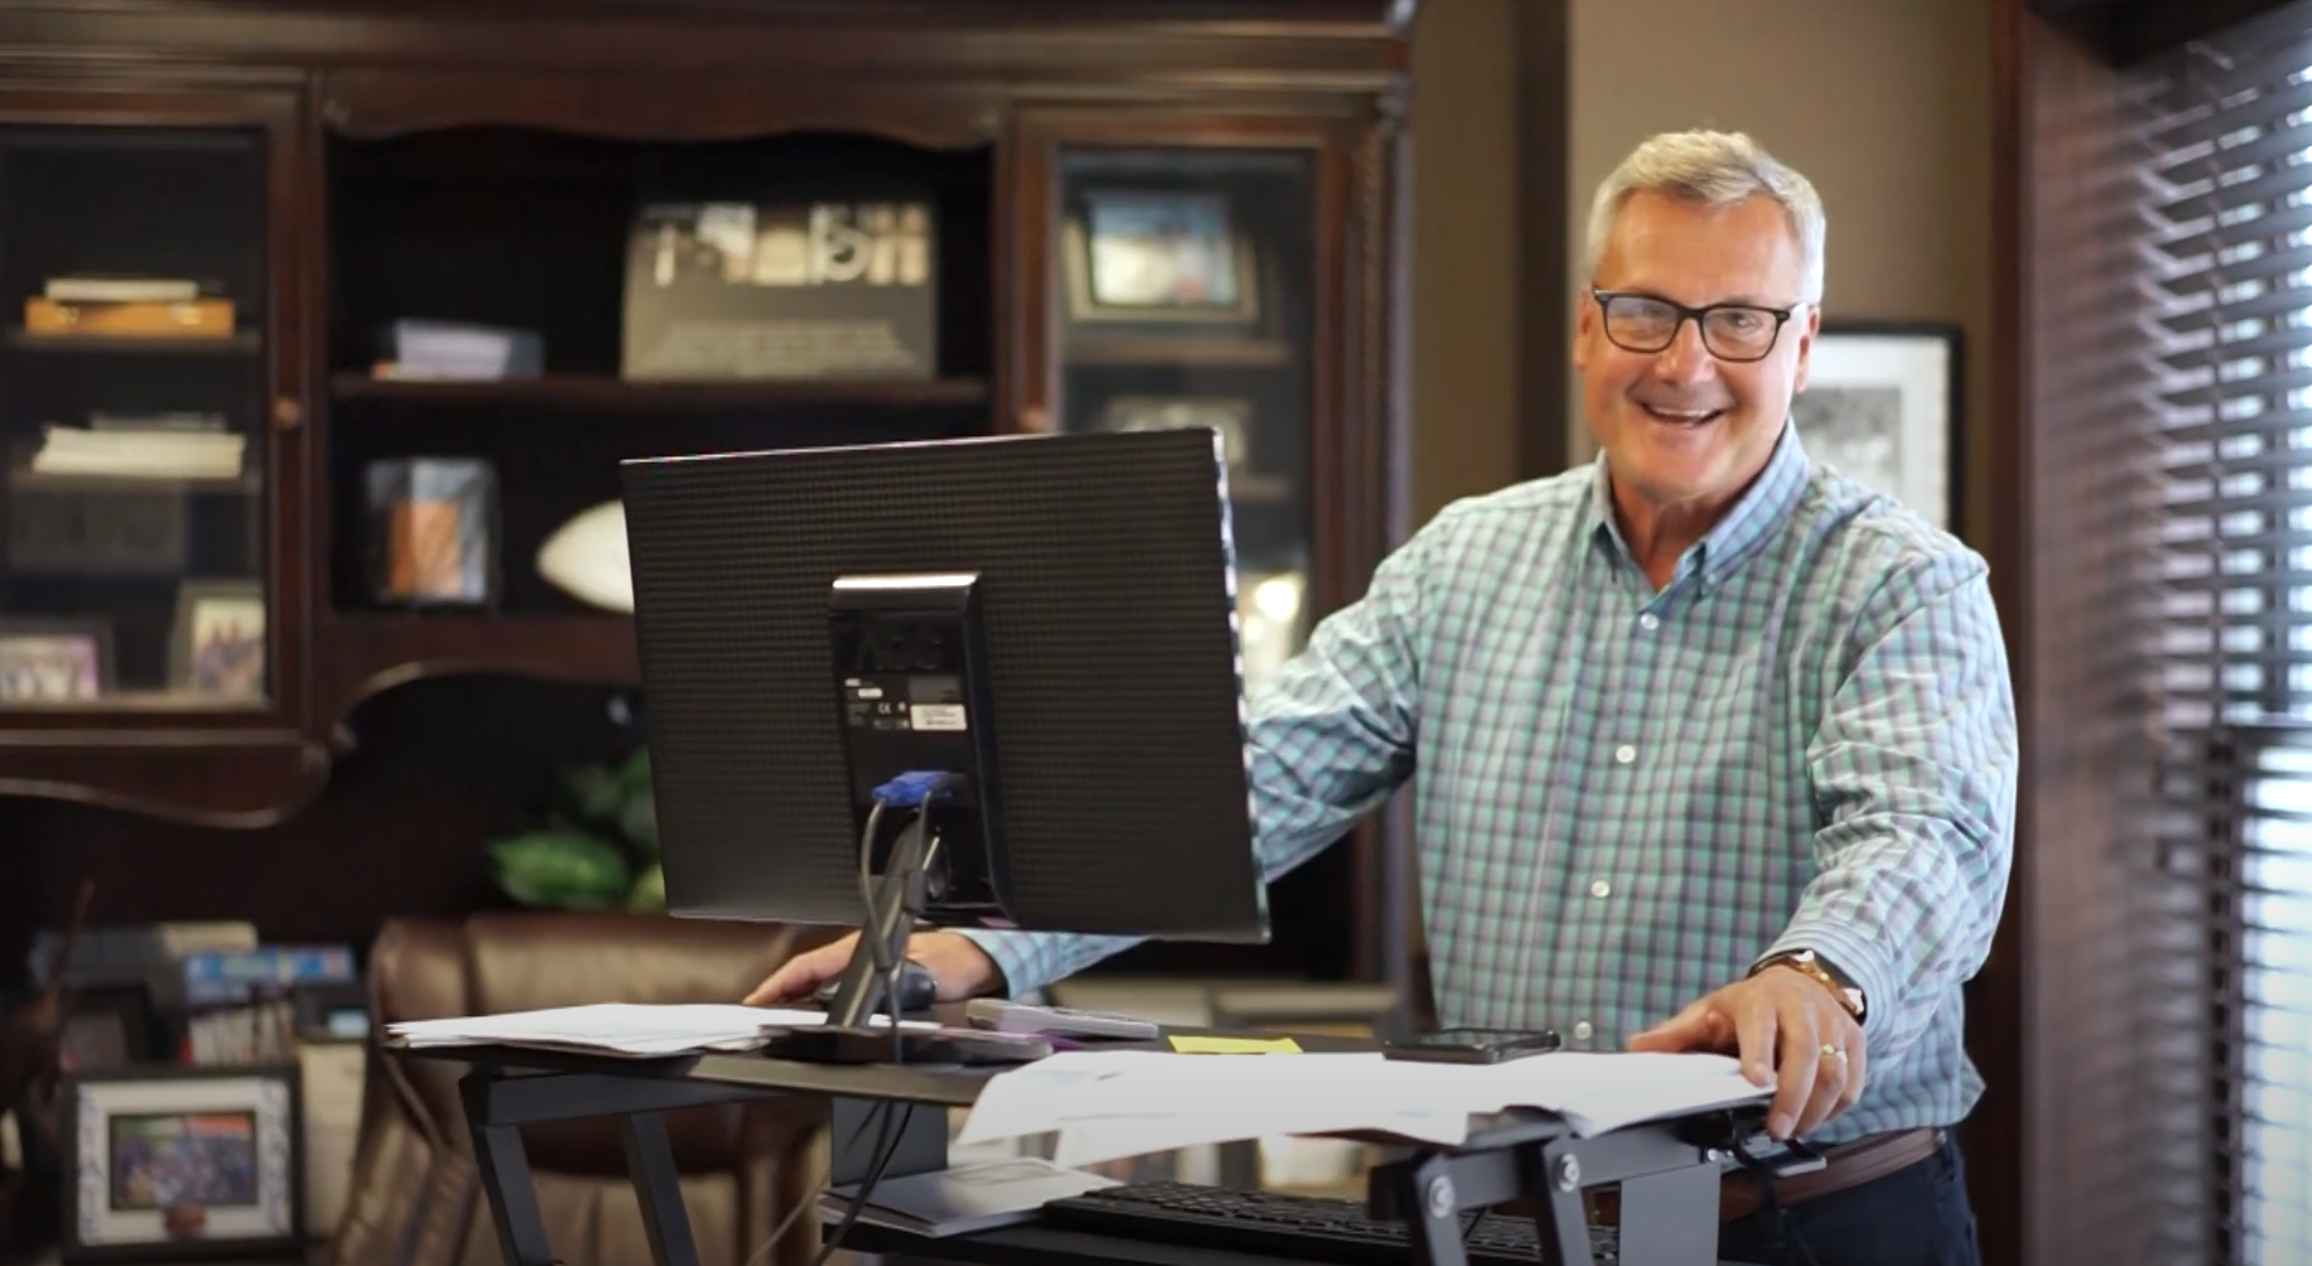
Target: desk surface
[[949, 1085]]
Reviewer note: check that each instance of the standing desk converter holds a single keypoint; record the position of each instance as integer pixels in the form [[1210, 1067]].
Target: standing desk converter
[[1668, 1171]]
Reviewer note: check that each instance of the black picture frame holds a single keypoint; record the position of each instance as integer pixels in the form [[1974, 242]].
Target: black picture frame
[[1884, 405], [172, 1163]]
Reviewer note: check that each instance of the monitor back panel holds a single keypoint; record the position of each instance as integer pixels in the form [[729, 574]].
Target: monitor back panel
[[1108, 604]]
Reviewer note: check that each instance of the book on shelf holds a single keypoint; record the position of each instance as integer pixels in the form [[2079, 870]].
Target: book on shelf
[[122, 450], [843, 286]]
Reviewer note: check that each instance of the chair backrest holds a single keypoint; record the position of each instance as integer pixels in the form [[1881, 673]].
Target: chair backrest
[[413, 1195]]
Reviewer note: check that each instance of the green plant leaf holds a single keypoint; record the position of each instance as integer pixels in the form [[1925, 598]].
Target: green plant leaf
[[557, 867], [634, 775], [594, 791], [638, 819], [649, 895]]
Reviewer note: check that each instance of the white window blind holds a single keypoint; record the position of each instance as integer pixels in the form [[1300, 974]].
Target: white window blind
[[2227, 165]]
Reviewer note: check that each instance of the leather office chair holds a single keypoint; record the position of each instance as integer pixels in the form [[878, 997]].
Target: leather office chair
[[415, 1197]]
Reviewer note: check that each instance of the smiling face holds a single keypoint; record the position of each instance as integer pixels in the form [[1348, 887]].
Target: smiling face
[[1682, 430]]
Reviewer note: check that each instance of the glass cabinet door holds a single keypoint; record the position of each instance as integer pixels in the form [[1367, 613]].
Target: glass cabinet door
[[1182, 289], [134, 418]]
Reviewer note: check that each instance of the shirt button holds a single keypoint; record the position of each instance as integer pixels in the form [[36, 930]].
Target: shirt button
[[1624, 754], [1582, 1031], [1649, 622], [1600, 889]]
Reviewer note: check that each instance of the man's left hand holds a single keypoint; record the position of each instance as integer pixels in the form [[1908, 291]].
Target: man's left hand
[[1786, 1029]]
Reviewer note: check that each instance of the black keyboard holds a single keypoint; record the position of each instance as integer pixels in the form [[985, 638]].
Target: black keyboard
[[1319, 1227]]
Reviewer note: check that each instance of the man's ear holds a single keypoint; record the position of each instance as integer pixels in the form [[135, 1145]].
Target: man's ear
[[1810, 325], [1585, 315]]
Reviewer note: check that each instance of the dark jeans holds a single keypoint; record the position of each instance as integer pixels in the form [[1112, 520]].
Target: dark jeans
[[1916, 1216]]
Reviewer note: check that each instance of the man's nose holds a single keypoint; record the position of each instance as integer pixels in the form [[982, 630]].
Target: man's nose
[[1686, 359]]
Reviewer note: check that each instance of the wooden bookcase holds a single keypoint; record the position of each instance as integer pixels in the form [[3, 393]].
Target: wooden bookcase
[[333, 166]]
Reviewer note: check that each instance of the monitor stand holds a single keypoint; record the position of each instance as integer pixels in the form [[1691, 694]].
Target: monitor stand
[[894, 908]]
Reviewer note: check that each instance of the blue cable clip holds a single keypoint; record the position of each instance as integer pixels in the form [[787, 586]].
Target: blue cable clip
[[915, 786]]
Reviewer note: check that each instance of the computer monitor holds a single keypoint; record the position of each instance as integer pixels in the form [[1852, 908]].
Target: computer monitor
[[1047, 621]]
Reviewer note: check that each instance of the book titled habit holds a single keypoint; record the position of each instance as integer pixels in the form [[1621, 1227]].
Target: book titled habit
[[820, 288]]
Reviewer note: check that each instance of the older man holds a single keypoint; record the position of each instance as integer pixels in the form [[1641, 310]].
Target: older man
[[1717, 748]]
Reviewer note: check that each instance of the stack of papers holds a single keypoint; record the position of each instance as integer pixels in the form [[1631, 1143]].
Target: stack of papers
[[1103, 1105], [620, 1028]]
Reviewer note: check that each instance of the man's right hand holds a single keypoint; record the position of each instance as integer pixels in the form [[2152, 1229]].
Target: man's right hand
[[961, 967]]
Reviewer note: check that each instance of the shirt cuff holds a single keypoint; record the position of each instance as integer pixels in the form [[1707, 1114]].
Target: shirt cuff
[[1013, 954], [1850, 954]]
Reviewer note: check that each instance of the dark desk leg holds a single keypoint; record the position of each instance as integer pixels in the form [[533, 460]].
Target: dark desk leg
[[1671, 1218], [650, 1164], [915, 1135], [513, 1199]]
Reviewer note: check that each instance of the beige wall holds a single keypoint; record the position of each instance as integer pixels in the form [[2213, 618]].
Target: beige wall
[[1885, 104]]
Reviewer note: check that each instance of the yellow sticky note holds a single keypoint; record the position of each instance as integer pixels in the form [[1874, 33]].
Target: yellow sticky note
[[1193, 1045]]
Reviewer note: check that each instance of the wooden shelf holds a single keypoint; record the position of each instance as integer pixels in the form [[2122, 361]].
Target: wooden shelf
[[367, 652], [22, 480], [244, 343], [617, 395]]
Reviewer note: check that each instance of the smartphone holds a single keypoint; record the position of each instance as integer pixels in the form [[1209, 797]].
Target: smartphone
[[1474, 1046]]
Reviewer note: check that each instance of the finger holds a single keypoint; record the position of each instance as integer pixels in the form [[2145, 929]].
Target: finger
[[1829, 1084], [1798, 1057], [1857, 1068], [1685, 1031], [1755, 1028], [799, 976]]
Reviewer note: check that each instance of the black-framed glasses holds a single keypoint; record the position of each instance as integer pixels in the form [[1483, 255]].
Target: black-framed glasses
[[1738, 332]]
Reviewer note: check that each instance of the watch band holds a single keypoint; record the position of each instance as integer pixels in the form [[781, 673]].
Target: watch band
[[1810, 964]]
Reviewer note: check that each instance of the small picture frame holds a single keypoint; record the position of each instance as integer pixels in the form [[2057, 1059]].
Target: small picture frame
[[46, 662], [1149, 256], [1228, 415], [218, 650], [166, 1162], [1881, 407]]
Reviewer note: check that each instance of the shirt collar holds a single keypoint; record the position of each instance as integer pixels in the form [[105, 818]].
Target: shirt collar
[[1749, 523]]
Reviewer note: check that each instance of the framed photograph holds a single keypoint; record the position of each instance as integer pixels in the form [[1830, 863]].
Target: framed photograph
[[218, 649], [167, 1162], [1149, 256], [1881, 407], [55, 661], [1228, 415]]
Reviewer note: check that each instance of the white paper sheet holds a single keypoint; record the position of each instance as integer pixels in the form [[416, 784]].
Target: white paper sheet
[[620, 1028], [1108, 1104]]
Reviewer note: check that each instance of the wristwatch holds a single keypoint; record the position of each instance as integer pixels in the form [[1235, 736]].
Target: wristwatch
[[1810, 964]]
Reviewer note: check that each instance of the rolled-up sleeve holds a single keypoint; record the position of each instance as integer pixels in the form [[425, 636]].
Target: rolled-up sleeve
[[1914, 769]]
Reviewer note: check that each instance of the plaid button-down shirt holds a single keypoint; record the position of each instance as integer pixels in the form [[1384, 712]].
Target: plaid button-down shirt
[[1627, 797]]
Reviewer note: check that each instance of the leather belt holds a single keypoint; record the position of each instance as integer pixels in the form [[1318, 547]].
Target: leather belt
[[1845, 1166]]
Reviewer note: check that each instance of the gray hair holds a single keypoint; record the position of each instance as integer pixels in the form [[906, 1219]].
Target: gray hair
[[1715, 169]]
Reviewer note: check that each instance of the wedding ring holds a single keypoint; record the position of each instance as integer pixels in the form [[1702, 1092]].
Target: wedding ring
[[1833, 1052]]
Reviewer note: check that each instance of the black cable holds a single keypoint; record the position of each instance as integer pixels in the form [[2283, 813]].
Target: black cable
[[880, 1112], [882, 1161]]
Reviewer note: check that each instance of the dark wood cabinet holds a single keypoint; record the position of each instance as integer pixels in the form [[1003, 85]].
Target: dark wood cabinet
[[331, 168]]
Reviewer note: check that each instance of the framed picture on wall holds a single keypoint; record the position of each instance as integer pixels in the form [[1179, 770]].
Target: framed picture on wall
[[1881, 407]]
